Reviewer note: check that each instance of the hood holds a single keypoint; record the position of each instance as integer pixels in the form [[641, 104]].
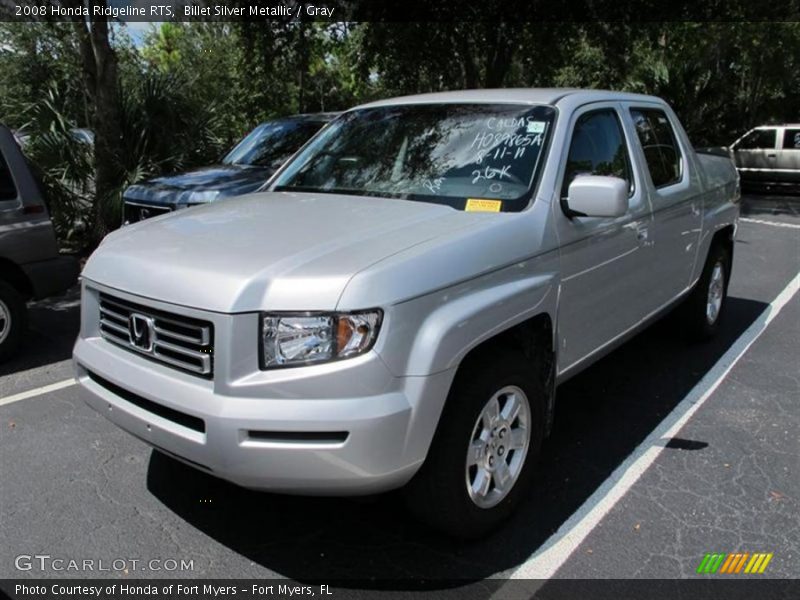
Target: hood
[[268, 251], [203, 185]]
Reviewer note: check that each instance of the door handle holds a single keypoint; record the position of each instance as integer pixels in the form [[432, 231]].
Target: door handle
[[771, 155]]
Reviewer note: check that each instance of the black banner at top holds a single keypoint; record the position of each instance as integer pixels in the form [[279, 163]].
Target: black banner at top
[[401, 10]]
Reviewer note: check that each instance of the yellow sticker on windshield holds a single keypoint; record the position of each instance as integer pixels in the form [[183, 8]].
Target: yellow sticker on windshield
[[481, 205]]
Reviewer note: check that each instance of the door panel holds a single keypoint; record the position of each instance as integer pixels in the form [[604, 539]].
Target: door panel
[[604, 261], [673, 188], [788, 160], [26, 234], [755, 154]]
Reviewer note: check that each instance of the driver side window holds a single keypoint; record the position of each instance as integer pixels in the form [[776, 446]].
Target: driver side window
[[597, 148], [759, 139]]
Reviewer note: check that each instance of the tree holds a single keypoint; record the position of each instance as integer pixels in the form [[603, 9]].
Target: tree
[[101, 80], [36, 58]]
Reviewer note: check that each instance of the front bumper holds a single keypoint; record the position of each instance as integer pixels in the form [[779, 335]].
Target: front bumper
[[343, 428]]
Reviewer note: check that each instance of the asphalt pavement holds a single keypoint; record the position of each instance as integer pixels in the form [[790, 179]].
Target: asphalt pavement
[[727, 480]]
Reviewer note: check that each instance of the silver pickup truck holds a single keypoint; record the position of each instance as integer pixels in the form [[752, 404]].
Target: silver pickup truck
[[398, 309]]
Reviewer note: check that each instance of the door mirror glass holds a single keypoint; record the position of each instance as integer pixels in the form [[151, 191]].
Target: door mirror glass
[[596, 196]]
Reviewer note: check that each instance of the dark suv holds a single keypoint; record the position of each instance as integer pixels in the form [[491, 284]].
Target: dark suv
[[243, 170], [31, 266]]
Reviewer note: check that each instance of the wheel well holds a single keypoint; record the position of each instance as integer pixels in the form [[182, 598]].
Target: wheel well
[[12, 274], [724, 237], [534, 339]]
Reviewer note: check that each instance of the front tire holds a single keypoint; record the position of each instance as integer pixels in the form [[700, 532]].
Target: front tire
[[482, 458], [13, 320]]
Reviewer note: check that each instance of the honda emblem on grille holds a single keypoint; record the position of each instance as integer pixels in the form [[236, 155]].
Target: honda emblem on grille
[[141, 331]]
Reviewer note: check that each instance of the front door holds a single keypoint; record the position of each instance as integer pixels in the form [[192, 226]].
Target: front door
[[605, 262], [755, 154]]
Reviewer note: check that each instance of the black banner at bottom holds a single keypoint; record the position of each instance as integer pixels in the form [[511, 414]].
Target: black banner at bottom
[[727, 588]]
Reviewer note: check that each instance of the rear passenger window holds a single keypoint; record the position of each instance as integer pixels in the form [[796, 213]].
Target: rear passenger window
[[660, 146], [8, 191], [791, 139], [597, 148], [758, 139]]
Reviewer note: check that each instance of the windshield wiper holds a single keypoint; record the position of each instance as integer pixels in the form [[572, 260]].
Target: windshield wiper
[[315, 190]]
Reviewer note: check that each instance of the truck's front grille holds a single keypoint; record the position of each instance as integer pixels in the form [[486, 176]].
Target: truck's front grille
[[176, 340], [133, 213]]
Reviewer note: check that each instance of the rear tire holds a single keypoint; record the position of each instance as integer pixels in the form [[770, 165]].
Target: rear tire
[[705, 306], [13, 320], [483, 455]]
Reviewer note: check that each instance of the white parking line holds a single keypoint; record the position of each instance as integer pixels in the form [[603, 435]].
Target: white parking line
[[45, 389], [557, 549], [772, 223]]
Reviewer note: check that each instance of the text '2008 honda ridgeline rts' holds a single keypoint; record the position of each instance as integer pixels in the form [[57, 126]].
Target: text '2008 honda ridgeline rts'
[[399, 307]]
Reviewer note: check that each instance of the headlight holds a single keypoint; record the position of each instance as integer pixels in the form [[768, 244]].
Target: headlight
[[306, 339]]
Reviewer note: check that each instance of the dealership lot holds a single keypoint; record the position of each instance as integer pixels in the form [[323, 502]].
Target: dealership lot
[[612, 499]]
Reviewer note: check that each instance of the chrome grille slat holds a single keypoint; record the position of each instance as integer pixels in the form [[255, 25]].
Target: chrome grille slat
[[200, 369], [123, 331], [181, 350], [175, 320], [113, 314], [183, 343], [201, 340]]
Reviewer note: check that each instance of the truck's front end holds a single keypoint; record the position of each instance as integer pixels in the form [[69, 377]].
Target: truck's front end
[[304, 339]]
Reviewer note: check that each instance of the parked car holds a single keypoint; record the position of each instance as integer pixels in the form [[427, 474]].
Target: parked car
[[399, 307], [30, 264], [243, 170], [770, 155], [81, 134]]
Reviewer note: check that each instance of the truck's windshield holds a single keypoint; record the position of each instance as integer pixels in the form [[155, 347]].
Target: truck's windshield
[[442, 153]]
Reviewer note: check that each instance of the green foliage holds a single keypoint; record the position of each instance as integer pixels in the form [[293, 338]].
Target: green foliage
[[189, 91], [35, 57], [64, 165]]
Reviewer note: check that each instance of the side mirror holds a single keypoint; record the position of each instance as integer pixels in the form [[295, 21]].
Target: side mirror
[[596, 196]]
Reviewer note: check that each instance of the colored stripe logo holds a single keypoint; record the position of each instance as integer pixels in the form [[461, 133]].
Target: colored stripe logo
[[734, 563]]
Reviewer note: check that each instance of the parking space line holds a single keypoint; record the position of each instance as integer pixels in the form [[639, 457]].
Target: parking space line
[[45, 389], [771, 223], [554, 552]]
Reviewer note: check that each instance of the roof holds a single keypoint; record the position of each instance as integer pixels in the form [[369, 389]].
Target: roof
[[320, 117], [550, 96]]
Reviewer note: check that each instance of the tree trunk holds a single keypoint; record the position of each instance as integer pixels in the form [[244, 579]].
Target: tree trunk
[[101, 80], [501, 50], [467, 61]]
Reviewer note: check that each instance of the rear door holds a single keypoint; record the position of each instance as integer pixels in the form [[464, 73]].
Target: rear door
[[26, 234], [675, 193], [788, 161]]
